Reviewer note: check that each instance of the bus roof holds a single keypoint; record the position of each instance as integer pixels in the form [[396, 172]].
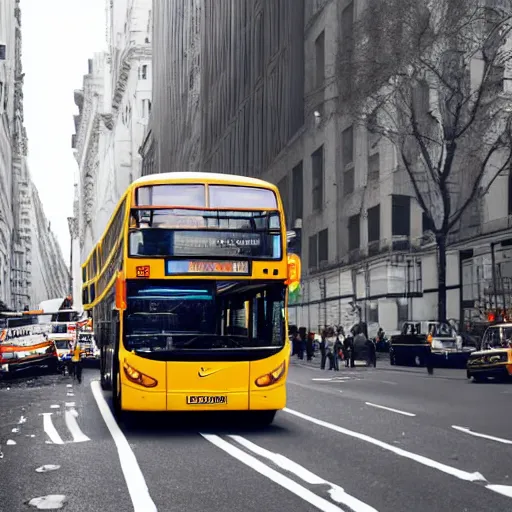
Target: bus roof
[[204, 176]]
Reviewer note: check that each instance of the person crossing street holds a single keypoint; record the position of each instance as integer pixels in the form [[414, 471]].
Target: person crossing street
[[77, 362]]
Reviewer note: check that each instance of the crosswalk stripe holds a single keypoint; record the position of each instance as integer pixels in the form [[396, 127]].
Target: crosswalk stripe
[[70, 417], [50, 429], [72, 424]]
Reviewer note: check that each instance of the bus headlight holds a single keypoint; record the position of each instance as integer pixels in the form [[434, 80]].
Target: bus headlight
[[272, 377], [137, 377]]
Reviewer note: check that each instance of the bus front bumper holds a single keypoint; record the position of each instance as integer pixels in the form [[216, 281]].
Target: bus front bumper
[[137, 399]]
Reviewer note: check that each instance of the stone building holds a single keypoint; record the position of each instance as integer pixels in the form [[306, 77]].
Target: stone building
[[21, 215], [50, 274], [113, 112], [9, 28], [268, 107]]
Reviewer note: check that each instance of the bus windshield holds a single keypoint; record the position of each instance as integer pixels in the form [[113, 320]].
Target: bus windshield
[[180, 315]]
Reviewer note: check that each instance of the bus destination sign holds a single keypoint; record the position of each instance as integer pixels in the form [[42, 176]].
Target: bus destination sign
[[207, 267]]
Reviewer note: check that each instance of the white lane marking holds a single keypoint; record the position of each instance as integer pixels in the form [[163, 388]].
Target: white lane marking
[[506, 490], [137, 487], [390, 409], [72, 424], [50, 429], [70, 394], [335, 379], [15, 430], [70, 404], [55, 406], [336, 492], [69, 385], [458, 473], [272, 474], [391, 383], [22, 420], [484, 436]]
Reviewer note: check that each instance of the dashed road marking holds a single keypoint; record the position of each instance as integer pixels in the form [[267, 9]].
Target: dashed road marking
[[505, 490], [483, 436], [390, 409]]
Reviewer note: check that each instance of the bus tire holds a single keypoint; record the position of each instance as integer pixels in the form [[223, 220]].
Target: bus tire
[[116, 393], [264, 418], [105, 385]]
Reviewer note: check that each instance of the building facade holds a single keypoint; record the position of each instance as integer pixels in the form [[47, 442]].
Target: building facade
[[113, 112], [269, 107], [50, 274], [29, 272]]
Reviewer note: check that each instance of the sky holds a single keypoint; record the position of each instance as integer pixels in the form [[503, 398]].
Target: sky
[[59, 36]]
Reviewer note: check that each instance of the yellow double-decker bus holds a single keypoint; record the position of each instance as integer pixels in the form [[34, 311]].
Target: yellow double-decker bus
[[189, 296]]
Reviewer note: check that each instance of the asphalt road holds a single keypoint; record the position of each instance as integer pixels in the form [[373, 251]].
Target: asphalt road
[[387, 439]]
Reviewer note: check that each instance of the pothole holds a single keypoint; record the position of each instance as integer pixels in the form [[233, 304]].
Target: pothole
[[50, 502]]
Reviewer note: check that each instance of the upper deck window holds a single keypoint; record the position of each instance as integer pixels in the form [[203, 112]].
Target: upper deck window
[[228, 196], [171, 195]]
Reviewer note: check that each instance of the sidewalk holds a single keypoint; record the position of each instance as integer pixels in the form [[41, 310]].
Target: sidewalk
[[383, 364]]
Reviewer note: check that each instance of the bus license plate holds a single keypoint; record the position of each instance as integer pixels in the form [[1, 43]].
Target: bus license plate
[[206, 400]]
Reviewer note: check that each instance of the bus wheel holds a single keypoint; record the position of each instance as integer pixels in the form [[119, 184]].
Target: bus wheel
[[105, 385], [264, 418], [116, 392]]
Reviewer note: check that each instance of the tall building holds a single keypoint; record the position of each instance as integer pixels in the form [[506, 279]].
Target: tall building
[[267, 105], [227, 84], [29, 271], [113, 112], [8, 30], [50, 274]]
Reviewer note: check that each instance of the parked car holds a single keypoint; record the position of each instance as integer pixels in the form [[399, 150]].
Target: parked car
[[15, 358]]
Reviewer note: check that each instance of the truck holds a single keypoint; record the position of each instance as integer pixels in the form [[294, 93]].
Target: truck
[[418, 340]]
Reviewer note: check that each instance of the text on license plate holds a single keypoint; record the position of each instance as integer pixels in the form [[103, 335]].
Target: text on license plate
[[200, 400]]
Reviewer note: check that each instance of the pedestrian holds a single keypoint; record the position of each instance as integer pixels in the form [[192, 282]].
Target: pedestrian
[[302, 342], [309, 346], [323, 352], [429, 362], [77, 362], [330, 347]]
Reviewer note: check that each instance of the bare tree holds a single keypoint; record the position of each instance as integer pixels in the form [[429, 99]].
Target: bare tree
[[428, 75]]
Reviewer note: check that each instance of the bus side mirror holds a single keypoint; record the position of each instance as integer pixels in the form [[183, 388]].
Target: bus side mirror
[[120, 292]]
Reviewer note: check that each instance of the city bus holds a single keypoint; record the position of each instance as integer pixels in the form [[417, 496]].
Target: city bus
[[190, 298]]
